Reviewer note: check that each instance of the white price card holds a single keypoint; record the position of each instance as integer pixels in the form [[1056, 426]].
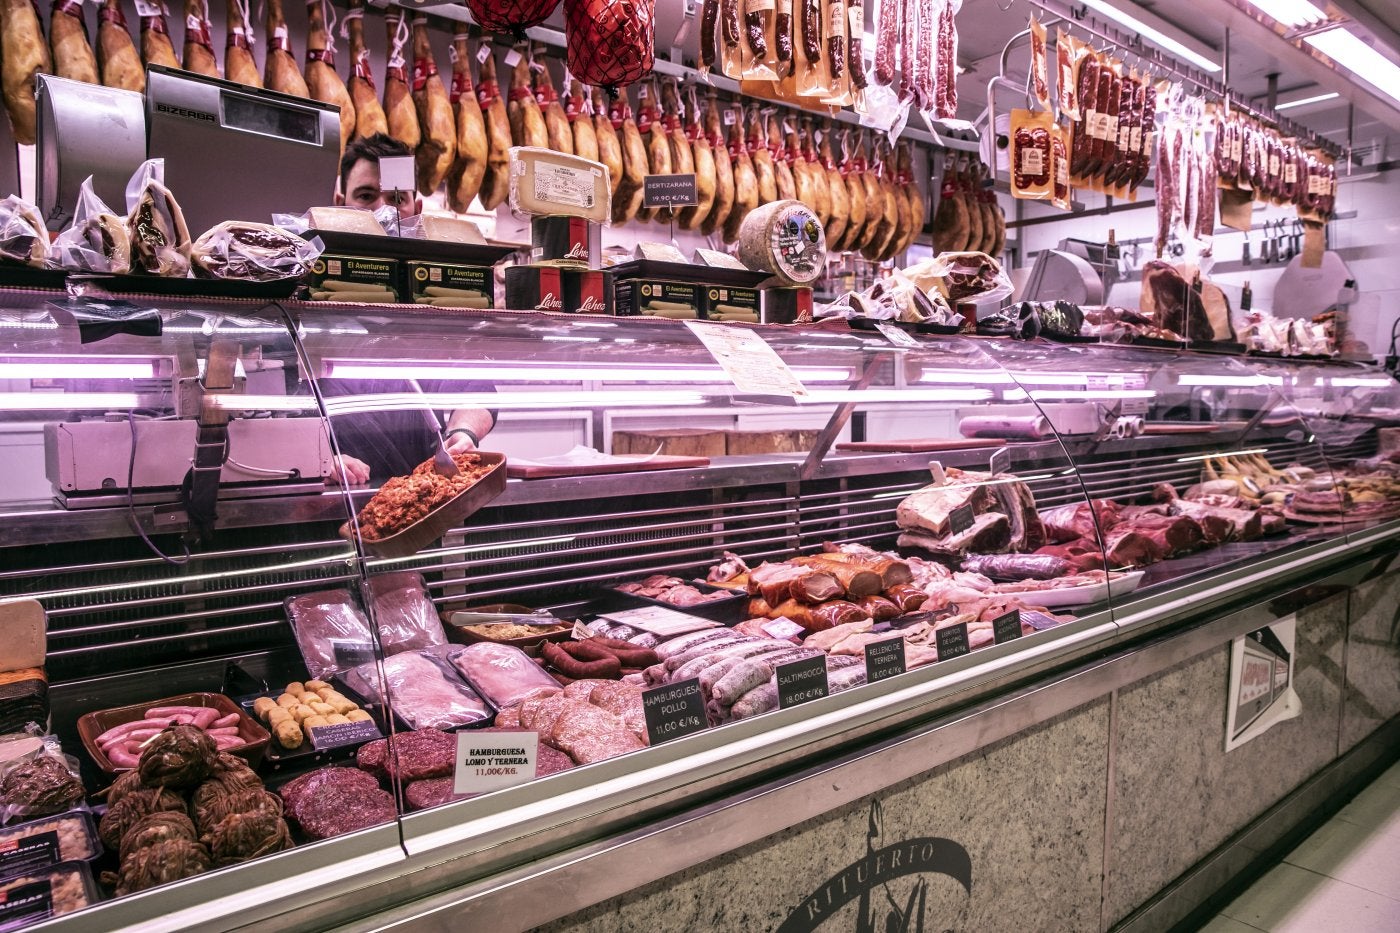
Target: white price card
[[488, 761], [396, 173], [748, 361], [896, 335], [660, 621]]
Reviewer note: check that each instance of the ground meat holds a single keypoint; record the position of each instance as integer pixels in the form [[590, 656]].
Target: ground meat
[[403, 500], [416, 756], [334, 811], [316, 784], [423, 795]]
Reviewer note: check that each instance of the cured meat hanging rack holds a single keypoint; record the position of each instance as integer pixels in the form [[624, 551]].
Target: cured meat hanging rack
[[1076, 18], [956, 139]]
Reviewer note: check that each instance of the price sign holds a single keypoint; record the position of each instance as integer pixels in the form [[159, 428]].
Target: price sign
[[351, 652], [669, 190], [962, 519], [1000, 461], [660, 621], [952, 642], [488, 761], [674, 710], [749, 362], [1006, 627], [896, 335], [884, 659], [343, 733], [396, 173], [801, 681]]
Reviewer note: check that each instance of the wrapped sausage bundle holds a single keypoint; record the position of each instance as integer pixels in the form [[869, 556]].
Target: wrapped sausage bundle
[[97, 241], [252, 252], [1031, 155], [23, 236]]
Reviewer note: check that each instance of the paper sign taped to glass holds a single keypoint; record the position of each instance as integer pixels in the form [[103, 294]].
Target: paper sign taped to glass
[[1261, 682]]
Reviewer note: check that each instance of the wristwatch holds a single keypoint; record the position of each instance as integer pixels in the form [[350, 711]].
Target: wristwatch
[[476, 441]]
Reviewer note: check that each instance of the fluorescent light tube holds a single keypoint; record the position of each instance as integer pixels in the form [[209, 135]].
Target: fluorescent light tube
[[48, 368], [1307, 100], [365, 369], [1155, 36], [1346, 49], [1290, 12], [68, 401]]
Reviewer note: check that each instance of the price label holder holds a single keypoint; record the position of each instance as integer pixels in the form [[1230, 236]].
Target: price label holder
[[669, 190], [782, 628], [660, 621], [884, 659], [674, 710], [343, 733], [351, 652], [396, 173], [1007, 627], [488, 761], [30, 854], [896, 335], [750, 363], [962, 519], [952, 642], [1135, 406], [801, 681], [1000, 461]]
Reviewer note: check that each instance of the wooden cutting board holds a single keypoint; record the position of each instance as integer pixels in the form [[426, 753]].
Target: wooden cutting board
[[921, 445], [640, 464]]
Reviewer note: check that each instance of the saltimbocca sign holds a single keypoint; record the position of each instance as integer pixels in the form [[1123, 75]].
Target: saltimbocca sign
[[887, 885]]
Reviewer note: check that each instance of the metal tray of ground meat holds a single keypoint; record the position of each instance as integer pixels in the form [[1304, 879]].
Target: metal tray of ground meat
[[410, 540]]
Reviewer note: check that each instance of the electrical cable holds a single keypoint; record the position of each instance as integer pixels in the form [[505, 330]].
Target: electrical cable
[[131, 503]]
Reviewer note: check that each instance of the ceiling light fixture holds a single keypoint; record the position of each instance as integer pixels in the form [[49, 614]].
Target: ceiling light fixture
[[1307, 100], [1362, 60], [1294, 13], [1139, 21]]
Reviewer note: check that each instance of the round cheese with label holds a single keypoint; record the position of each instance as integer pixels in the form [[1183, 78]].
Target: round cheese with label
[[786, 239]]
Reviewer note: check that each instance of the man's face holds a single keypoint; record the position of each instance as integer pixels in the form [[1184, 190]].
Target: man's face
[[362, 190]]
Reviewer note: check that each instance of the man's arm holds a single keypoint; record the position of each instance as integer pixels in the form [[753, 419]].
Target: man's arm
[[478, 421]]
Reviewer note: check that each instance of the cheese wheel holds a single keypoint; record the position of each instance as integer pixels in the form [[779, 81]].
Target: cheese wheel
[[785, 238]]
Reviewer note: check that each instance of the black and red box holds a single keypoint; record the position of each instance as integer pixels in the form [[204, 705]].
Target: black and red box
[[559, 289], [565, 241]]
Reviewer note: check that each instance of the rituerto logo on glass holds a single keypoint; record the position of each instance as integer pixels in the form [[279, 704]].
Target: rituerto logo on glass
[[883, 900]]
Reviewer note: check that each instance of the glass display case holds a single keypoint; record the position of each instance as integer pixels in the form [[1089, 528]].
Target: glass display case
[[245, 501]]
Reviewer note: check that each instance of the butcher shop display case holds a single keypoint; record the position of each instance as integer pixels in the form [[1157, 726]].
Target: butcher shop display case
[[655, 507]]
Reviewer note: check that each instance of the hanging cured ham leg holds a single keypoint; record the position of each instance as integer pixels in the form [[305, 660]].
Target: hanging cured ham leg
[[464, 181], [322, 81], [23, 54], [724, 170], [156, 47], [239, 65], [369, 114], [495, 183], [281, 72], [627, 199], [72, 55], [117, 57], [581, 123], [199, 40], [399, 111], [556, 123], [438, 149], [704, 157], [609, 147], [527, 127]]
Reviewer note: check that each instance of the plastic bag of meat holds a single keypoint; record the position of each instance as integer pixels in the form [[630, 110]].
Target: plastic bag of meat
[[503, 674], [610, 42], [512, 16], [422, 691], [23, 236], [331, 631], [97, 240], [160, 241], [252, 252], [405, 617]]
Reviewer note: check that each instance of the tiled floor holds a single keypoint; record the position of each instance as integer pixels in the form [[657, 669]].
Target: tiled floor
[[1344, 877]]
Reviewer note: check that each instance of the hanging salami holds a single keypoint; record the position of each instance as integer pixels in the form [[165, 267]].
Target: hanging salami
[[513, 16]]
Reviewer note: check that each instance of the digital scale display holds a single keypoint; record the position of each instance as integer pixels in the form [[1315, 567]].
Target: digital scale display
[[259, 116]]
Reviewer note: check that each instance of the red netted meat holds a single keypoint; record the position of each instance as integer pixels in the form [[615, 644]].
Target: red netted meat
[[513, 16], [610, 42]]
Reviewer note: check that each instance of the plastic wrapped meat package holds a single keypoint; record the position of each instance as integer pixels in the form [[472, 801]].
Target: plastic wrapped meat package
[[331, 631], [406, 618], [503, 674], [422, 691]]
